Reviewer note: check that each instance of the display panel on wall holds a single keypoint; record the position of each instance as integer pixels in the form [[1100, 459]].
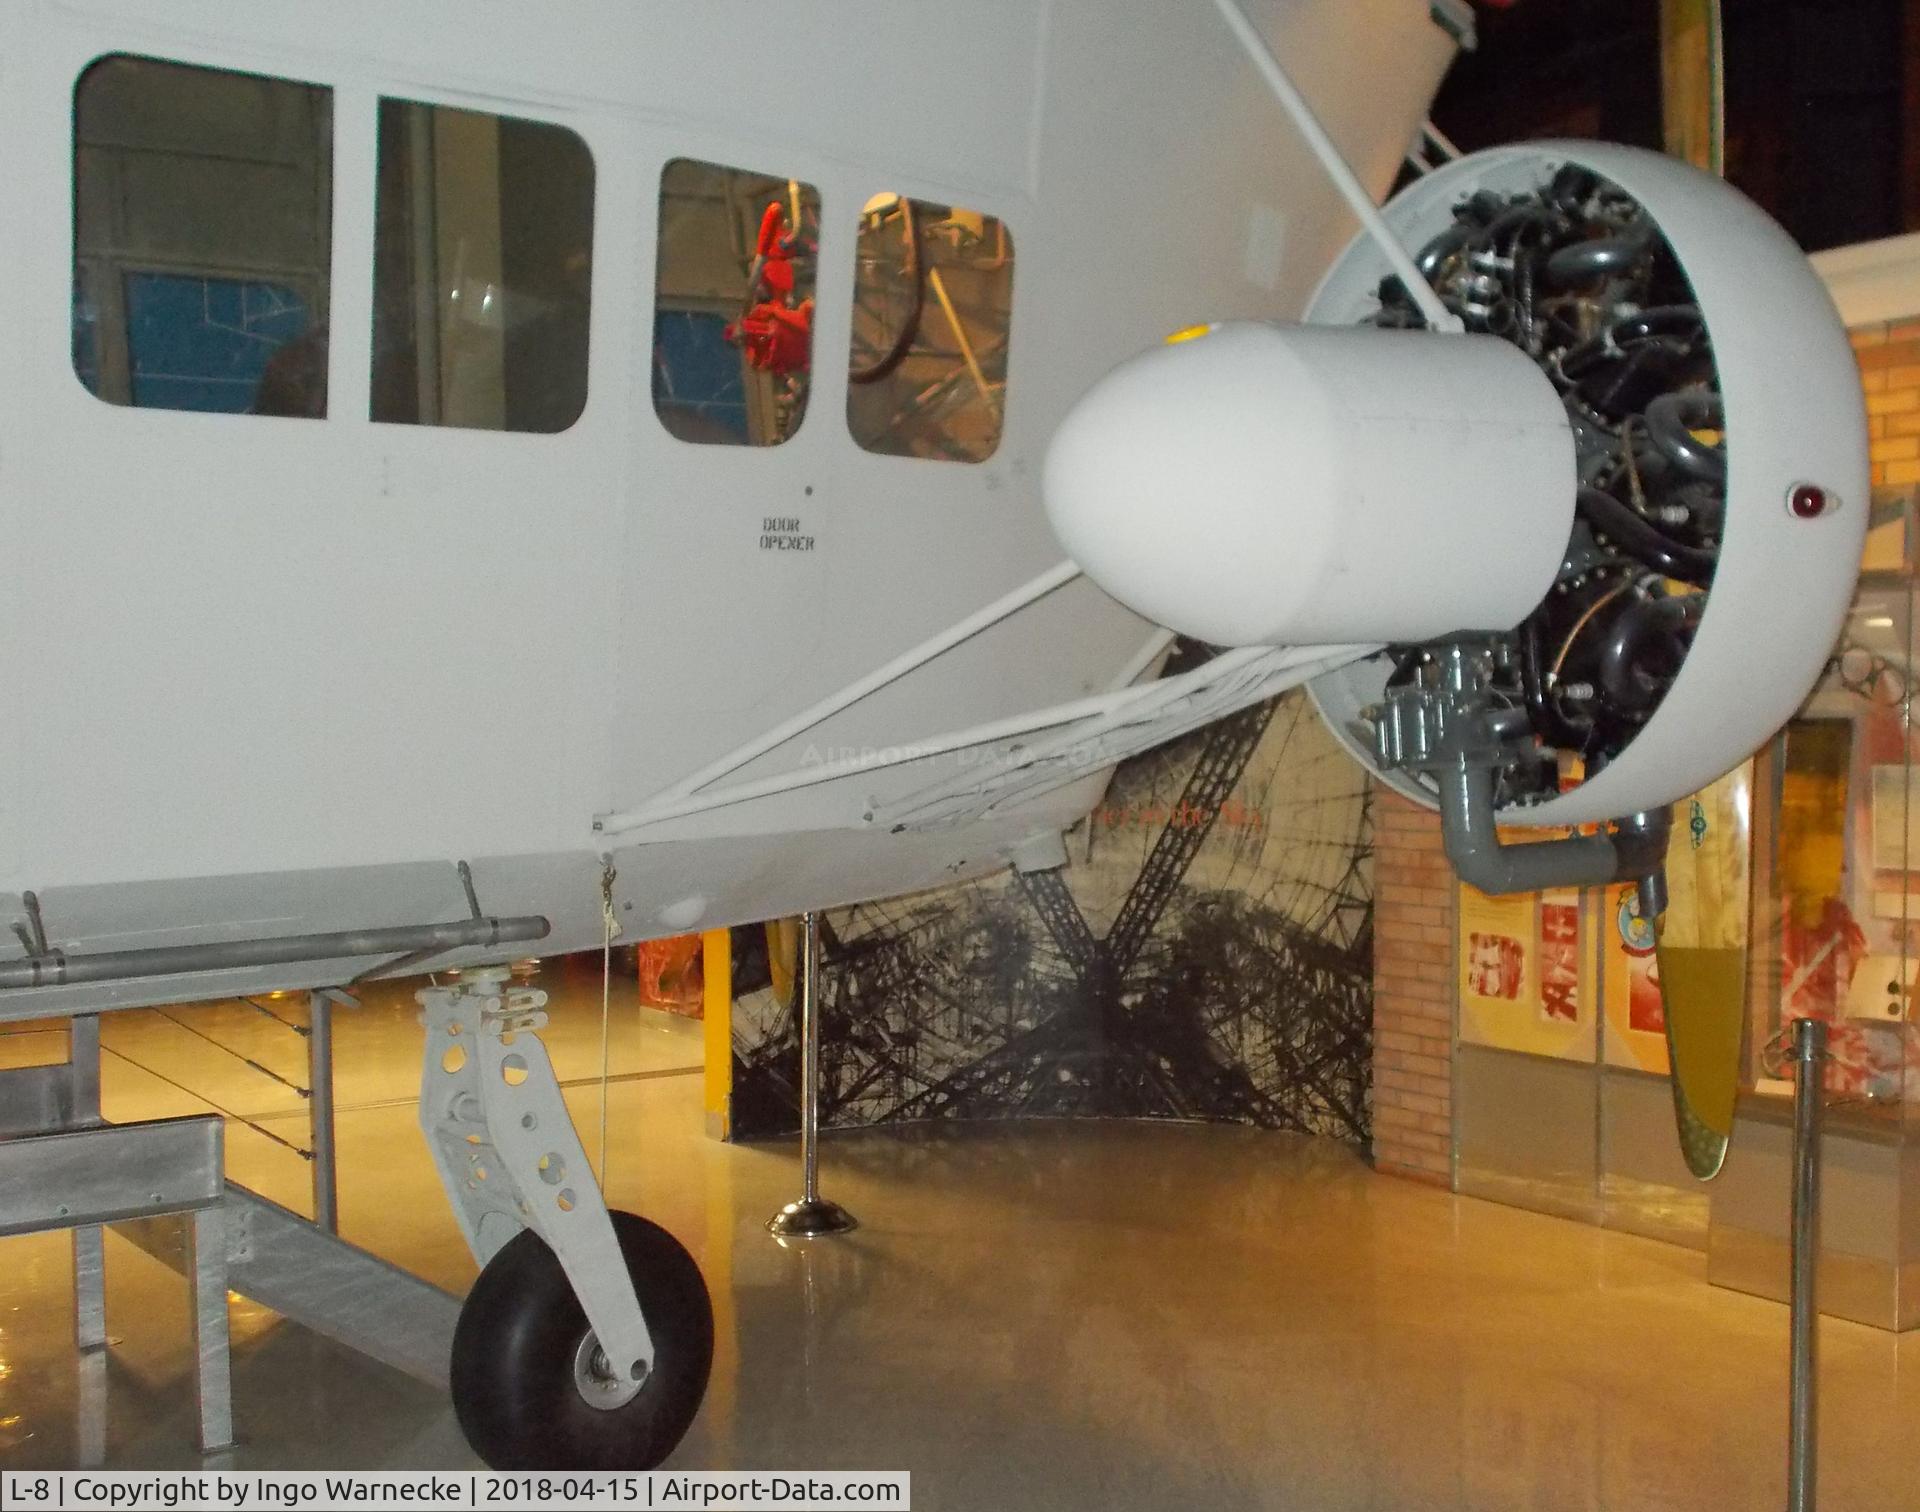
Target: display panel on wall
[[1526, 978], [1539, 971], [1205, 954]]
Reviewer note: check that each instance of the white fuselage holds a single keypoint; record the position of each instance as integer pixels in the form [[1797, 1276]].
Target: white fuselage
[[279, 676]]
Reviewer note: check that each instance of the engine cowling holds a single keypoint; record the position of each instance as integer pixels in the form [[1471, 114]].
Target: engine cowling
[[1774, 572], [1606, 540]]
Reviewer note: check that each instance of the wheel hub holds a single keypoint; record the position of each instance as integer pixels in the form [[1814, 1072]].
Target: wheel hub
[[599, 1384]]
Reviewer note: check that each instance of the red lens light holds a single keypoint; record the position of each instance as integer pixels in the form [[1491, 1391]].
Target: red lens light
[[1808, 501]]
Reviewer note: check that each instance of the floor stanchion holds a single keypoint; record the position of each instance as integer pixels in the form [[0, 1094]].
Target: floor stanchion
[[812, 1215], [1803, 1430]]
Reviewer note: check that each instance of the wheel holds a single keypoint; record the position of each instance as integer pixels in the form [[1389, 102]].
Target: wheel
[[525, 1372]]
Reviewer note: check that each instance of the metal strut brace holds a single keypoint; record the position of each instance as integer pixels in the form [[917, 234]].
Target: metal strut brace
[[1338, 170], [56, 968], [509, 1158]]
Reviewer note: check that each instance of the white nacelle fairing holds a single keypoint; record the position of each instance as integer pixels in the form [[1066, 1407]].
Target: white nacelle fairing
[[1301, 486], [1794, 415]]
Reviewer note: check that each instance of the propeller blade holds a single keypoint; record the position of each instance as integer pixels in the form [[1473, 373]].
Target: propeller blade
[[1702, 945], [1701, 988]]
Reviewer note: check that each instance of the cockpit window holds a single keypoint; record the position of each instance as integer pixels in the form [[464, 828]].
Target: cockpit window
[[932, 305], [733, 303], [483, 262], [202, 238]]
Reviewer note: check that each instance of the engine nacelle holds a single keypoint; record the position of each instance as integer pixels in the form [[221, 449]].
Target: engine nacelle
[[1318, 485], [1607, 539], [1793, 503]]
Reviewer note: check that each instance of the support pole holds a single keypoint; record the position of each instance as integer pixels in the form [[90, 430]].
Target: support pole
[[89, 1288], [1810, 1055], [207, 1277], [812, 1215], [83, 1053], [89, 1247], [90, 1416], [326, 1179]]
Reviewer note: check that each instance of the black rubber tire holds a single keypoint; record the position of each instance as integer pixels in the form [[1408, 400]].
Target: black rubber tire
[[514, 1347]]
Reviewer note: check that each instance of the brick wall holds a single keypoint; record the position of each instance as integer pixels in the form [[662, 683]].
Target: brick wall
[[1890, 366], [1413, 992]]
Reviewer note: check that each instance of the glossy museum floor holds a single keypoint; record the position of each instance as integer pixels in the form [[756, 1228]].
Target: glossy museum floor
[[1033, 1317]]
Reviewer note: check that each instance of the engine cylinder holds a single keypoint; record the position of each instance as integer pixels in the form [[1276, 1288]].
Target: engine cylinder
[[1295, 485]]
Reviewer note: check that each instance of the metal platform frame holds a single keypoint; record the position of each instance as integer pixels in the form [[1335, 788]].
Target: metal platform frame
[[63, 1167]]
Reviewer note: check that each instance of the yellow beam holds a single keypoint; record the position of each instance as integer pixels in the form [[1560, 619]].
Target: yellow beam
[[1692, 87], [716, 975]]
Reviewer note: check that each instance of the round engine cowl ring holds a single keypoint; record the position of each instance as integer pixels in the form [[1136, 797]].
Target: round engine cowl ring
[[1794, 415]]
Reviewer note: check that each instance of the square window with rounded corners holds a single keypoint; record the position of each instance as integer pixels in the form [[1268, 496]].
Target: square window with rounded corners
[[733, 303], [932, 306], [482, 270], [202, 238]]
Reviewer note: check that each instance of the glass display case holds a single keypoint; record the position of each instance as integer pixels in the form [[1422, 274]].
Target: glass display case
[[1833, 923], [1562, 1100], [1832, 905]]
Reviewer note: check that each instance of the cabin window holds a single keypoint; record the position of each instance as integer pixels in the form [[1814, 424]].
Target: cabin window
[[483, 261], [202, 234], [932, 304], [733, 303]]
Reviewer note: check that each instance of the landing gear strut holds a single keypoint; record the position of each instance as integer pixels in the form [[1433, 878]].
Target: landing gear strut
[[586, 1342]]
